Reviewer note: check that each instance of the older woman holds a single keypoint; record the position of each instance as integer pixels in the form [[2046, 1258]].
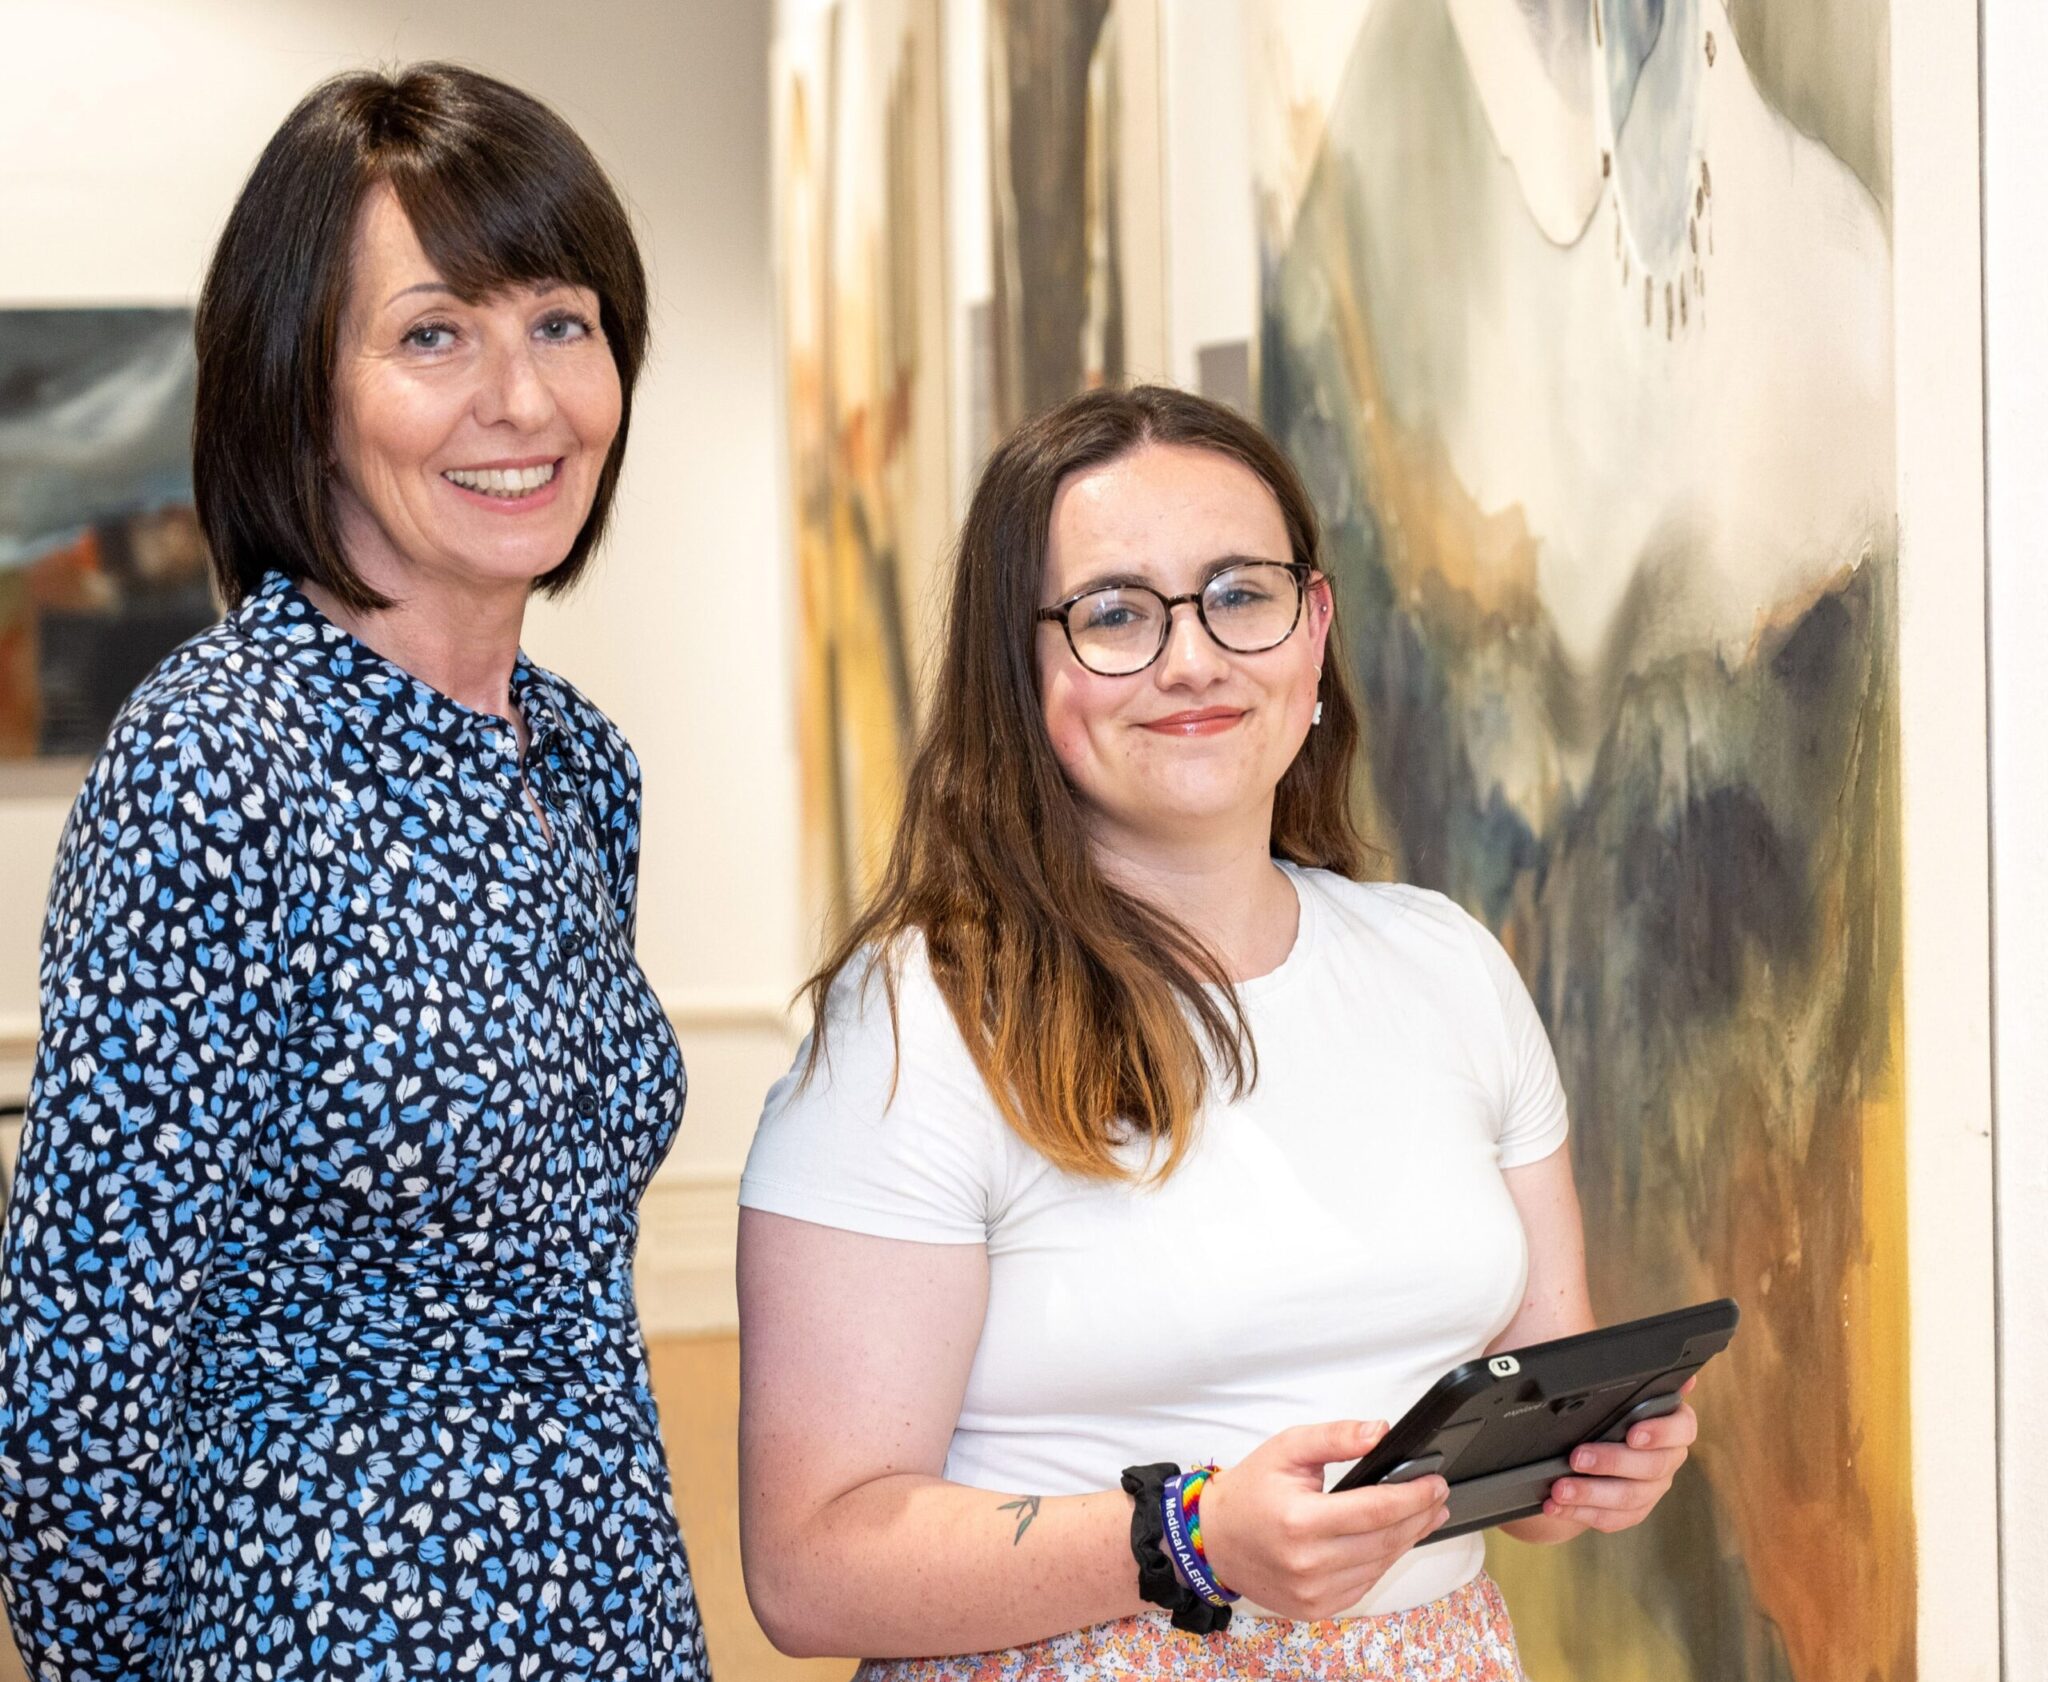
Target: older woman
[[1137, 1130], [318, 1346]]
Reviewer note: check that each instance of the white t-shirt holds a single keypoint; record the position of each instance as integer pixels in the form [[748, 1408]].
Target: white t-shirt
[[1333, 1242]]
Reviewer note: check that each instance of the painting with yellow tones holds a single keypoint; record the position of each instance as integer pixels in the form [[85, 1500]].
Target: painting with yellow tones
[[1073, 228], [861, 276], [1578, 320]]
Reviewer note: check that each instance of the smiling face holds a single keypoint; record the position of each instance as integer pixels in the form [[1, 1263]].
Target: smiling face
[[1193, 746], [470, 437]]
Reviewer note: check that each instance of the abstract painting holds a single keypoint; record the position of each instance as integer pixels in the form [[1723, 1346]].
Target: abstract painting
[[102, 567], [862, 306], [1578, 319], [1072, 225], [1074, 149]]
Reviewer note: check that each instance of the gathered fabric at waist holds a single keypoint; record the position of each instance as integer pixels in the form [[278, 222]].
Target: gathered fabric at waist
[[296, 1334]]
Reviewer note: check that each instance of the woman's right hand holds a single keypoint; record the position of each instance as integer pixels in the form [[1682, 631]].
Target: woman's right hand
[[1273, 1536]]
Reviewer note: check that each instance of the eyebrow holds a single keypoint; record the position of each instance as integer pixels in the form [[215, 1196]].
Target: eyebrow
[[1121, 580], [423, 286], [539, 288]]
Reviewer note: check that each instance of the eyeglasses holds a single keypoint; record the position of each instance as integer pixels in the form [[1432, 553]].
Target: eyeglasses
[[1119, 630]]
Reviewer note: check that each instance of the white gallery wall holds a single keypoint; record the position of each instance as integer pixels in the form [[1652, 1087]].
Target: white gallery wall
[[1944, 798], [2016, 446], [126, 128]]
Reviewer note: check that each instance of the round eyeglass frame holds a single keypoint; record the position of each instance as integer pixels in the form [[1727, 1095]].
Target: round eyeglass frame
[[1300, 571]]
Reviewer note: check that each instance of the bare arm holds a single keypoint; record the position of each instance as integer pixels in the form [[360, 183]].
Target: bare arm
[[1622, 1483], [854, 1356]]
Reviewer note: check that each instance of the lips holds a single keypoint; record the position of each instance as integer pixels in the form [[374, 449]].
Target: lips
[[506, 485], [1200, 721], [503, 481]]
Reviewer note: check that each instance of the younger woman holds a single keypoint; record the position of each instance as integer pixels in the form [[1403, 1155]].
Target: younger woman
[[1138, 1131]]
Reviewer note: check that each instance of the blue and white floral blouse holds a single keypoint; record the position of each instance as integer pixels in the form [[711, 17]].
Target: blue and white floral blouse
[[318, 1349]]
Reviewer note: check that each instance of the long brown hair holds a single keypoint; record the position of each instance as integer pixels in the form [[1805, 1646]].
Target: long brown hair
[[1083, 1006]]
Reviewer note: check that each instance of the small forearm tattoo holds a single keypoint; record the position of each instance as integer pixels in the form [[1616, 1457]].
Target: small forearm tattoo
[[1026, 1509]]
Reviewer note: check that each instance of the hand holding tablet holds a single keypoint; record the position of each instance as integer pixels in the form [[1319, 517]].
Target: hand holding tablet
[[1503, 1429]]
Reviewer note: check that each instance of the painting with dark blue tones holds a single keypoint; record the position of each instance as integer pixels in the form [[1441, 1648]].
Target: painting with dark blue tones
[[102, 566], [1577, 318]]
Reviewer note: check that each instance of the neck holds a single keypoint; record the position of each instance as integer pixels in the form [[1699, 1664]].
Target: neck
[[1225, 890], [455, 635]]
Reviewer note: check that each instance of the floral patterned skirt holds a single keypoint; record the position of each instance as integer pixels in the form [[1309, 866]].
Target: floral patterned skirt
[[1464, 1637]]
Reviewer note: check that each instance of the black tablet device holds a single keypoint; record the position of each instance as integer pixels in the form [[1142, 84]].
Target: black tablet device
[[1501, 1429]]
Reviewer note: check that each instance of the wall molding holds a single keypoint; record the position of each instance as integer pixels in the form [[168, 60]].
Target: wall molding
[[746, 1012], [17, 1057], [689, 1230]]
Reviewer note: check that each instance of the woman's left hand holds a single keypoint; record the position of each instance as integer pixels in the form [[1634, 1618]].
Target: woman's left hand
[[1612, 1486]]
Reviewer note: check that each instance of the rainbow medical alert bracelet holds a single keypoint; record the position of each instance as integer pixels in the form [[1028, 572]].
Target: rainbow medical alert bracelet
[[1190, 1562]]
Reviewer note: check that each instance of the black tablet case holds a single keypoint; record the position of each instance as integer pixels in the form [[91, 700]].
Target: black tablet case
[[1501, 1429]]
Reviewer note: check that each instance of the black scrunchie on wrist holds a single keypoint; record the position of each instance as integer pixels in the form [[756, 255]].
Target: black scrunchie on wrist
[[1158, 1582]]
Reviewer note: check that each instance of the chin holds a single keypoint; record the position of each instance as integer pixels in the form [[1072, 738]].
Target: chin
[[1190, 810], [528, 567]]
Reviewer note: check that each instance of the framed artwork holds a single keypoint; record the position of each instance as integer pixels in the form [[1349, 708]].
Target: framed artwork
[[1075, 202], [1579, 321], [862, 308], [102, 566], [1066, 203]]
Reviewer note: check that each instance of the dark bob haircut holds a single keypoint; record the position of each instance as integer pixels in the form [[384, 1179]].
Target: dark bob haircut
[[501, 194]]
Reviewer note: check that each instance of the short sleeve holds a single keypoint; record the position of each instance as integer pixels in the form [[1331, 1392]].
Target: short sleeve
[[893, 1147], [1533, 1116]]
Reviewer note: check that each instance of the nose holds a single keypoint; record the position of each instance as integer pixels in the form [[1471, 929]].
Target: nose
[[514, 390], [1191, 658]]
